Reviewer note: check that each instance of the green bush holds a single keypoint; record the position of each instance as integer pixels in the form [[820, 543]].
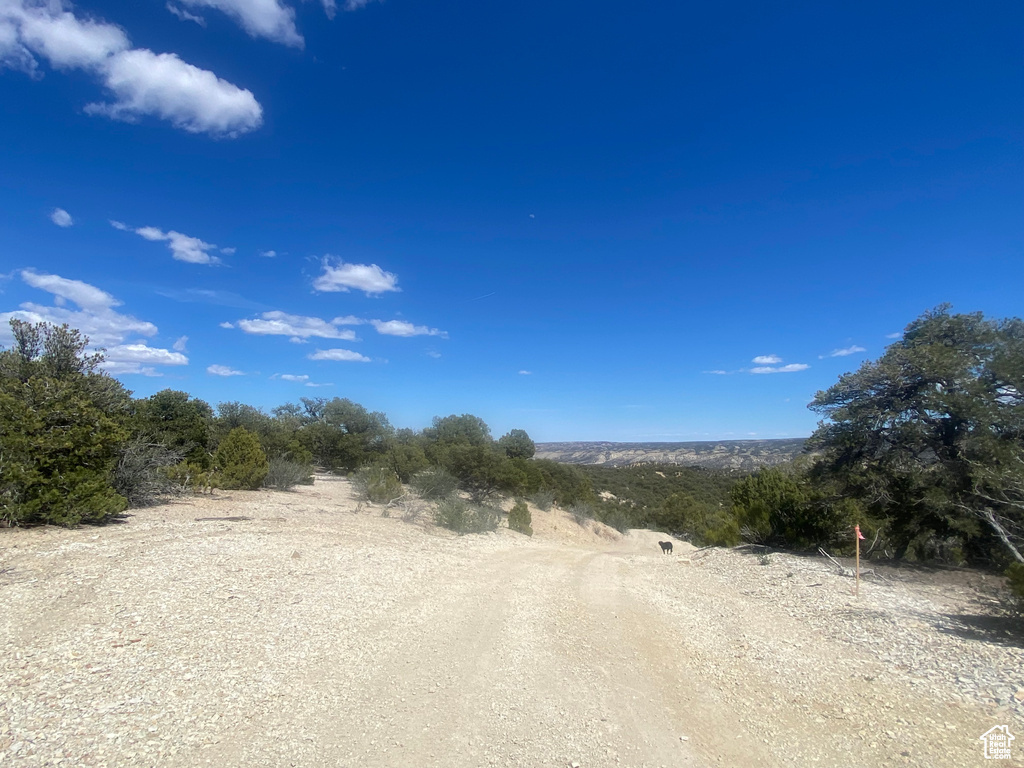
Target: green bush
[[241, 460], [434, 484], [543, 500], [520, 519], [517, 445], [283, 475], [377, 484], [462, 517], [190, 477], [406, 459], [581, 512], [61, 427], [705, 524], [176, 420], [616, 517]]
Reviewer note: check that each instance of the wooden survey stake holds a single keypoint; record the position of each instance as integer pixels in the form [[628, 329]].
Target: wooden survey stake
[[857, 538]]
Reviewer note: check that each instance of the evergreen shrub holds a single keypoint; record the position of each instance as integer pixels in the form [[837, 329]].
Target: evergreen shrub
[[241, 460], [520, 519]]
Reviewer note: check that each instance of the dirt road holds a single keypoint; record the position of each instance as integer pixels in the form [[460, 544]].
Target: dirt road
[[320, 633]]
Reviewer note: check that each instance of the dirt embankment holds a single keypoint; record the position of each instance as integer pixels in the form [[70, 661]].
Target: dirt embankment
[[320, 633]]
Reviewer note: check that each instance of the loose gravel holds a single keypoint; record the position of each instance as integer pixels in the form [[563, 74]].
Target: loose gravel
[[326, 632]]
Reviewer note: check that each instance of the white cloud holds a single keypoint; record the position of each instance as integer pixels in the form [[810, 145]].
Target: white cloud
[[402, 328], [278, 323], [268, 254], [846, 351], [433, 353], [351, 5], [894, 335], [97, 319], [269, 19], [13, 54], [140, 353], [223, 370], [143, 83], [120, 369], [67, 41], [301, 378], [369, 278], [339, 355], [316, 384], [525, 373], [86, 296], [228, 251], [226, 324], [348, 320], [185, 248], [179, 345], [791, 368], [330, 8], [184, 15], [717, 372], [192, 99], [767, 359], [61, 218]]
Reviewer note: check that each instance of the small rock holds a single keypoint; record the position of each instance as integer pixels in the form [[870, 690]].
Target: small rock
[[684, 738]]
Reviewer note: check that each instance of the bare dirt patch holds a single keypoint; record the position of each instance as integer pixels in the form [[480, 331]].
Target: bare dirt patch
[[307, 629]]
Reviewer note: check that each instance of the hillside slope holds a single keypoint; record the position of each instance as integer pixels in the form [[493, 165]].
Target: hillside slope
[[722, 454]]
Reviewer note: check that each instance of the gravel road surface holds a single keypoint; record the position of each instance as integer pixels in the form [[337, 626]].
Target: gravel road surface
[[321, 633]]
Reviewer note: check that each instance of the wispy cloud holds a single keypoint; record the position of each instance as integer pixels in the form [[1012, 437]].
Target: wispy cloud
[[143, 83], [767, 359], [299, 378], [185, 248], [526, 373], [223, 370], [61, 218], [94, 314], [717, 372], [184, 15], [268, 254], [894, 335], [180, 344], [207, 296], [402, 328], [791, 368], [339, 355], [846, 351], [269, 19], [368, 278]]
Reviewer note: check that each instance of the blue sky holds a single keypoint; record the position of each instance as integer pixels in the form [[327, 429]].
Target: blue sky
[[593, 221]]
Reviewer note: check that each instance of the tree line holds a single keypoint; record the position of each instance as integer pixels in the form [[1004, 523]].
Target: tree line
[[76, 447], [922, 448]]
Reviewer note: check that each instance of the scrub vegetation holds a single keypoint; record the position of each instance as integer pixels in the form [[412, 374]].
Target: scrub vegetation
[[922, 448]]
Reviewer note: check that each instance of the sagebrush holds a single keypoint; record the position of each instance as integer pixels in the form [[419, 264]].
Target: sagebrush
[[377, 484], [462, 517]]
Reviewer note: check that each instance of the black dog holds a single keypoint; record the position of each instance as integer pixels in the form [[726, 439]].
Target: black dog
[[666, 547]]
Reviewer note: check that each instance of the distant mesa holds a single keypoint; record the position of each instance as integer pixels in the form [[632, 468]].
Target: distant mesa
[[713, 454]]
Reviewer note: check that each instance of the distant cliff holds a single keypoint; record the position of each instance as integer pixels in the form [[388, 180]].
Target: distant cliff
[[720, 454]]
